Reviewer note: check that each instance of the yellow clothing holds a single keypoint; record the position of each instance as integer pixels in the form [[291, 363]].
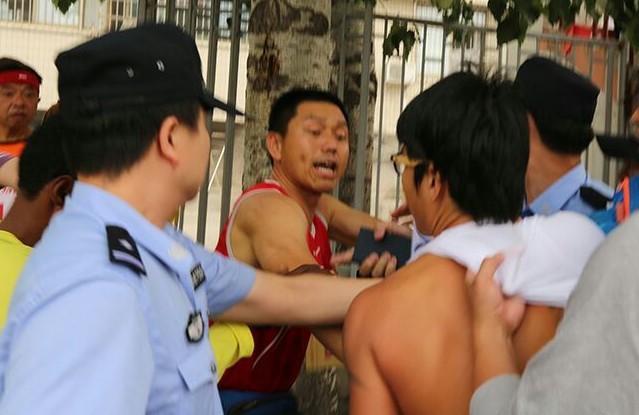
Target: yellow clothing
[[13, 255], [231, 342]]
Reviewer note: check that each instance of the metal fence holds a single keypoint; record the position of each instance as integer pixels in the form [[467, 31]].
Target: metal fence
[[435, 56]]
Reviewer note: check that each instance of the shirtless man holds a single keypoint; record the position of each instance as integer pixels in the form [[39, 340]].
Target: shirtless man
[[408, 342]]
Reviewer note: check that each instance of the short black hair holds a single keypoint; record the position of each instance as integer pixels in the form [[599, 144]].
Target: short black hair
[[285, 107], [9, 64], [110, 142], [474, 132], [560, 134], [42, 159]]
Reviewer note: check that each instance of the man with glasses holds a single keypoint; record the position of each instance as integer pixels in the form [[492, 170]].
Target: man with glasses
[[408, 341]]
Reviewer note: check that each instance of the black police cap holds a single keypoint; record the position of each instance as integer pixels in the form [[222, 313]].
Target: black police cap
[[547, 86], [147, 65], [622, 147]]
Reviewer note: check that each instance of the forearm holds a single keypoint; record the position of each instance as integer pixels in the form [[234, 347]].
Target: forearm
[[494, 352], [306, 300], [332, 339]]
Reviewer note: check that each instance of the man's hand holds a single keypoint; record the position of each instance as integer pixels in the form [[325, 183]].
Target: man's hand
[[490, 306], [402, 215], [375, 265]]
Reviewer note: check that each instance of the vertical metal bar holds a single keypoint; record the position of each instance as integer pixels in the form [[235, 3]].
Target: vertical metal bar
[[227, 179], [500, 48], [147, 11], [462, 50], [537, 46], [590, 69], [518, 54], [192, 17], [380, 133], [482, 49], [341, 73], [610, 62], [170, 11], [423, 63], [362, 131], [211, 64], [444, 35]]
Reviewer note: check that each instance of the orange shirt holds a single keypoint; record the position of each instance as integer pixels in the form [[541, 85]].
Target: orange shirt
[[13, 147]]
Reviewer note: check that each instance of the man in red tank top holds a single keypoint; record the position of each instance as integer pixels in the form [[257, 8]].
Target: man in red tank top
[[283, 225]]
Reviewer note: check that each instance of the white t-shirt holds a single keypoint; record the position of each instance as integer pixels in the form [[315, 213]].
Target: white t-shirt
[[544, 255]]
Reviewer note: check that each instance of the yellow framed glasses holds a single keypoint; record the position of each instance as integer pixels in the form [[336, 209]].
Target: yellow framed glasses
[[401, 161]]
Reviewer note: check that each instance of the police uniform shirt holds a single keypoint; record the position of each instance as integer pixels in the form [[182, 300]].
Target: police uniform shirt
[[107, 323], [565, 194]]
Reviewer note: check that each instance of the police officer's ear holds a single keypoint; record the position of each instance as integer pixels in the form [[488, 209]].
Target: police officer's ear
[[60, 188], [166, 139], [274, 145]]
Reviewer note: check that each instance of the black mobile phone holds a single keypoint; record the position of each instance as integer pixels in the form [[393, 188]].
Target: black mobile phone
[[396, 245]]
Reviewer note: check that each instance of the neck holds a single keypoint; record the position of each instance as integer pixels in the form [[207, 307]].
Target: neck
[[26, 220], [449, 220], [14, 134], [307, 200], [545, 169], [156, 200]]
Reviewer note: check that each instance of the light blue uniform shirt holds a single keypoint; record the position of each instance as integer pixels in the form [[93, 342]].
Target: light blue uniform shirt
[[86, 335], [564, 194]]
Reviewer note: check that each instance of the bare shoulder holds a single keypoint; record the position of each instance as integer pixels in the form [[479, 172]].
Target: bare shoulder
[[415, 327], [428, 283], [266, 210]]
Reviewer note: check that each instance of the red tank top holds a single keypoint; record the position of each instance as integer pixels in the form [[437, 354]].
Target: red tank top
[[279, 351]]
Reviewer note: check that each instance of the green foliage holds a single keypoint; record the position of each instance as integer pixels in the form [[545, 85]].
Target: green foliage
[[461, 13], [515, 16], [63, 5], [399, 35]]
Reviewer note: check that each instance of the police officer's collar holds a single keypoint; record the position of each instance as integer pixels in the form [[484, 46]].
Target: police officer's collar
[[560, 192]]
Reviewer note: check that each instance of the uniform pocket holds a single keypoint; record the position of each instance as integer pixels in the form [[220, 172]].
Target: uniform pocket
[[198, 369]]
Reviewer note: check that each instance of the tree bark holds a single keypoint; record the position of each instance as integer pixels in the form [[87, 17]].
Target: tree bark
[[289, 45]]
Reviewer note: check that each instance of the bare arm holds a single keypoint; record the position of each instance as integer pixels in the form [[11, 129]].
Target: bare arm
[[344, 222], [9, 173], [494, 320], [270, 232], [537, 328], [305, 300]]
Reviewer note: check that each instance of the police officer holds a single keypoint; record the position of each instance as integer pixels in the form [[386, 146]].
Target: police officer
[[110, 313], [561, 105]]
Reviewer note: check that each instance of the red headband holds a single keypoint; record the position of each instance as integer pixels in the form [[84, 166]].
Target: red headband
[[19, 77]]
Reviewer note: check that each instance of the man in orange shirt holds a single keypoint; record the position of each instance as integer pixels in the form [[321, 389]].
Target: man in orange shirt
[[19, 97]]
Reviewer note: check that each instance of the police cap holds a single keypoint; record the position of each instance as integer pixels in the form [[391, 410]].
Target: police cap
[[548, 86], [622, 147]]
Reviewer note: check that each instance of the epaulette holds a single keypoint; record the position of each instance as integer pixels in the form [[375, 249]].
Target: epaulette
[[123, 250], [593, 197]]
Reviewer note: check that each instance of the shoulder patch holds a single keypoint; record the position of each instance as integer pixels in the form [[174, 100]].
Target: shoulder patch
[[594, 198], [123, 250]]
